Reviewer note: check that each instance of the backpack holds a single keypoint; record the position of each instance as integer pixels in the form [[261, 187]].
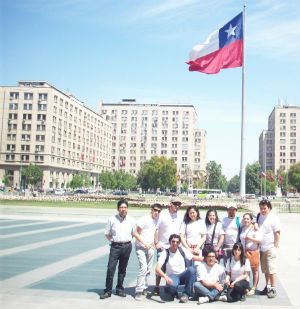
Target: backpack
[[187, 262]]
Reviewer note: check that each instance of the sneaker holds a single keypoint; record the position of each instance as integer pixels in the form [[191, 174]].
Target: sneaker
[[264, 291], [203, 300], [105, 295], [184, 299], [156, 291], [221, 298], [138, 296], [272, 293], [243, 298]]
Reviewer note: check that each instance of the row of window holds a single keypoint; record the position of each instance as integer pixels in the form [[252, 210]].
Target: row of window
[[292, 121], [144, 112], [291, 115], [23, 157], [27, 96], [12, 147], [292, 134]]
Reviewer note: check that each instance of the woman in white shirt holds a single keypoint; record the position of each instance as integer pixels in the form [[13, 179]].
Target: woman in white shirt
[[193, 230], [237, 278], [250, 239], [215, 234]]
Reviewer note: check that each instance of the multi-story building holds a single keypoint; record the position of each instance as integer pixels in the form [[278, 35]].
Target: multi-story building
[[141, 131], [279, 146], [43, 125]]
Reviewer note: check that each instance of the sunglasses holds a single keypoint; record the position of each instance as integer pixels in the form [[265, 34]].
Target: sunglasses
[[175, 242], [157, 210], [178, 204]]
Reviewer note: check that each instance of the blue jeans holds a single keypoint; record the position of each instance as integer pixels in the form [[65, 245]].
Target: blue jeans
[[202, 290], [186, 278]]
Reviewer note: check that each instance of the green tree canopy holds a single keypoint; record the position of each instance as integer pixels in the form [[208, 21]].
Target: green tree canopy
[[117, 180], [32, 174], [7, 179], [234, 184], [294, 176], [76, 182], [216, 179], [158, 172], [253, 178]]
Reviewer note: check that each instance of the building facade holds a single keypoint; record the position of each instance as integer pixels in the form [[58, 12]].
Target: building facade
[[141, 131], [279, 146], [43, 125]]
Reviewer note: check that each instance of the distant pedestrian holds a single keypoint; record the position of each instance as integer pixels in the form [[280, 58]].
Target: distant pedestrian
[[145, 248], [169, 222], [119, 231], [269, 223]]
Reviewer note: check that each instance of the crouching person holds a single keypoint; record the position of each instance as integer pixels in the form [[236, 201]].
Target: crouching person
[[174, 266], [210, 279]]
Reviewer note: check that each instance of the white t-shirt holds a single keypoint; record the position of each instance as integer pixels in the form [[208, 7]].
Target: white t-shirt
[[235, 268], [254, 234], [231, 231], [193, 231], [210, 229], [269, 224], [147, 226], [213, 274], [176, 263], [167, 225]]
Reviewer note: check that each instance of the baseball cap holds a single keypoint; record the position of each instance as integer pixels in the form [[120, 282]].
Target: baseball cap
[[231, 205], [176, 200]]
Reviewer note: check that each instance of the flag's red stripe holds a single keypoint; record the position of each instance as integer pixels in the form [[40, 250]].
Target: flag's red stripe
[[230, 56]]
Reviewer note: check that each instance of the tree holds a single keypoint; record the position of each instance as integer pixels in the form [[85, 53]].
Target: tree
[[294, 176], [76, 182], [253, 178], [117, 180], [216, 179], [6, 179], [234, 184], [32, 174], [158, 172], [107, 180]]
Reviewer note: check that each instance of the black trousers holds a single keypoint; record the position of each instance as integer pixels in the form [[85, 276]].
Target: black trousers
[[239, 289], [118, 253]]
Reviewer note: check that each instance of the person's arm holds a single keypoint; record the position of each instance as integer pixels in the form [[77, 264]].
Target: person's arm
[[240, 278], [220, 242], [202, 241], [257, 241], [215, 285], [227, 279], [108, 237], [162, 274], [277, 238], [198, 258], [183, 241], [137, 235]]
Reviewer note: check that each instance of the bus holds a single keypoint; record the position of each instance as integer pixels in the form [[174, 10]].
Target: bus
[[206, 193]]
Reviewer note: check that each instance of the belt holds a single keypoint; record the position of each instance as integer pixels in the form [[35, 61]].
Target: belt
[[121, 243]]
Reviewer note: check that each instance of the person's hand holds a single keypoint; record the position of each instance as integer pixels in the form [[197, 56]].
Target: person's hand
[[232, 284], [169, 280], [227, 282], [219, 287], [196, 251], [148, 246], [158, 246]]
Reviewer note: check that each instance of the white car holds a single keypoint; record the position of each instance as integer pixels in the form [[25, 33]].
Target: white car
[[59, 191]]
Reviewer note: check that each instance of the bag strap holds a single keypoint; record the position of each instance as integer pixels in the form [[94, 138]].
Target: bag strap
[[164, 267], [213, 234], [237, 221]]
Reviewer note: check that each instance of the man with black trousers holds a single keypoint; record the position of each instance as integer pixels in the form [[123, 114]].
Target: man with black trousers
[[119, 231]]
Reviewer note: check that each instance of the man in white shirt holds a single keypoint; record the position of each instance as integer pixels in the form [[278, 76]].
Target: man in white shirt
[[231, 227], [119, 231], [169, 222], [173, 266], [269, 223], [145, 248], [210, 279]]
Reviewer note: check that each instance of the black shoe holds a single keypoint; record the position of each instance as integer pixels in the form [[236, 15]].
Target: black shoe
[[264, 291], [121, 293], [105, 295], [243, 298]]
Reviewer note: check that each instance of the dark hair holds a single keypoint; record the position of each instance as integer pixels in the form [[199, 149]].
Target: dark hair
[[122, 202], [174, 236], [187, 218], [249, 214], [206, 252], [265, 202], [238, 245], [156, 205], [207, 214]]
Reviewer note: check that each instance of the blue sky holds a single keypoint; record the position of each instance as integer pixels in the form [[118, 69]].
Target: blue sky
[[110, 50]]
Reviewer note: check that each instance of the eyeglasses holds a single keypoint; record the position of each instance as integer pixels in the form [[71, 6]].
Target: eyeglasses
[[175, 242], [211, 256], [157, 210], [177, 204]]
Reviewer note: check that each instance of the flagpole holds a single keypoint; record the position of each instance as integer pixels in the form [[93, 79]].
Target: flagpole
[[242, 166]]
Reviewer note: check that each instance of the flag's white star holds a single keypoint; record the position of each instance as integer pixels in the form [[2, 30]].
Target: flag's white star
[[230, 31]]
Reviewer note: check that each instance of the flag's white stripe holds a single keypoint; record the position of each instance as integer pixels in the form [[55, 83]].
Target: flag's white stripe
[[209, 46], [46, 243]]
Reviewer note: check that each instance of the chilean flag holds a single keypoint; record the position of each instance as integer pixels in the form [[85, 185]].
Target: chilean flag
[[223, 49]]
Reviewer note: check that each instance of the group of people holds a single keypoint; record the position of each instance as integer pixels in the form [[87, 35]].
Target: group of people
[[190, 251]]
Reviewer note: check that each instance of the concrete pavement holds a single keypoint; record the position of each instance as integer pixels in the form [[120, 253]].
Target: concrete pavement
[[57, 257]]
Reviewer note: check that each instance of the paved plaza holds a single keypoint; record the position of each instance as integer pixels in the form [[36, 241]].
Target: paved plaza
[[57, 258]]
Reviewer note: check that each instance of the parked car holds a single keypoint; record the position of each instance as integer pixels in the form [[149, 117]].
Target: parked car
[[120, 192], [80, 191], [59, 191]]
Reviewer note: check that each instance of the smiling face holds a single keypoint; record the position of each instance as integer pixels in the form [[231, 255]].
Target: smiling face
[[155, 211], [174, 244], [193, 214], [237, 252], [247, 220], [212, 217], [264, 209], [231, 212], [211, 259], [174, 207]]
